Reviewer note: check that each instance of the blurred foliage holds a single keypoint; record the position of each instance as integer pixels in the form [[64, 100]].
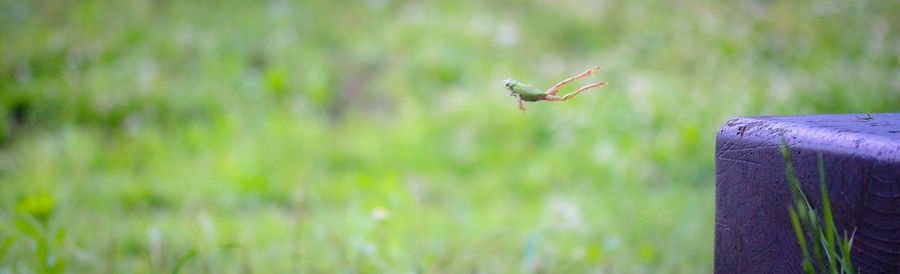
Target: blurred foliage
[[318, 136]]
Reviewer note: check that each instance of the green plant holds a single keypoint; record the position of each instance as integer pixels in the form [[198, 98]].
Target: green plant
[[184, 260], [34, 221], [830, 251], [5, 242]]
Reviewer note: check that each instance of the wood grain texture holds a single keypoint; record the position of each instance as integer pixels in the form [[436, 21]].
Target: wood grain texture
[[862, 166]]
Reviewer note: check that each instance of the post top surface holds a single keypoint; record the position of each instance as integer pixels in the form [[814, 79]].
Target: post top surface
[[860, 134]]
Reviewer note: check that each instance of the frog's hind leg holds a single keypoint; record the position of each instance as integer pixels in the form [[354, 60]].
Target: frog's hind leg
[[554, 98], [555, 89]]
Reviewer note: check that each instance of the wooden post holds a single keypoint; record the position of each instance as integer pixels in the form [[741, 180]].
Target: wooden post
[[862, 166]]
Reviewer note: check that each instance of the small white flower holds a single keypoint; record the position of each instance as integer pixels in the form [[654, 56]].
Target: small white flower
[[564, 214], [380, 213]]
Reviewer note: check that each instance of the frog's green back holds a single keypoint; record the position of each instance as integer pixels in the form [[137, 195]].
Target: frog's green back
[[526, 92]]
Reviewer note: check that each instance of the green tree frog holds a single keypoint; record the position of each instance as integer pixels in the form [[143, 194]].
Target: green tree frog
[[525, 93]]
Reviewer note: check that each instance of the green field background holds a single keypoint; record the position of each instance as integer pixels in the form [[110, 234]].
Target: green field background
[[376, 136]]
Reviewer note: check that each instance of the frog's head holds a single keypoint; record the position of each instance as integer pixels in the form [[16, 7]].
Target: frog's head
[[511, 85]]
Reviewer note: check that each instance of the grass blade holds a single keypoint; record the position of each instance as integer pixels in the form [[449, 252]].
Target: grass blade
[[828, 216], [798, 230], [830, 251], [184, 260]]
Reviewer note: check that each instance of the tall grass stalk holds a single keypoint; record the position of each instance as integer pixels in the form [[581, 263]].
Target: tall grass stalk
[[830, 252]]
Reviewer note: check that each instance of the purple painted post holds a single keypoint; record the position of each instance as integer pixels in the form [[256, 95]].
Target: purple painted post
[[862, 167]]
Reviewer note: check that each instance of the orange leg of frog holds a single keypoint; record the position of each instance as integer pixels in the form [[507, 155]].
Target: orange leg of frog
[[555, 89], [551, 93], [554, 98]]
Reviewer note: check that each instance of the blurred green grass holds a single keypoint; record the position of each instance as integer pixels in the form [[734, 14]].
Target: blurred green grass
[[319, 136]]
